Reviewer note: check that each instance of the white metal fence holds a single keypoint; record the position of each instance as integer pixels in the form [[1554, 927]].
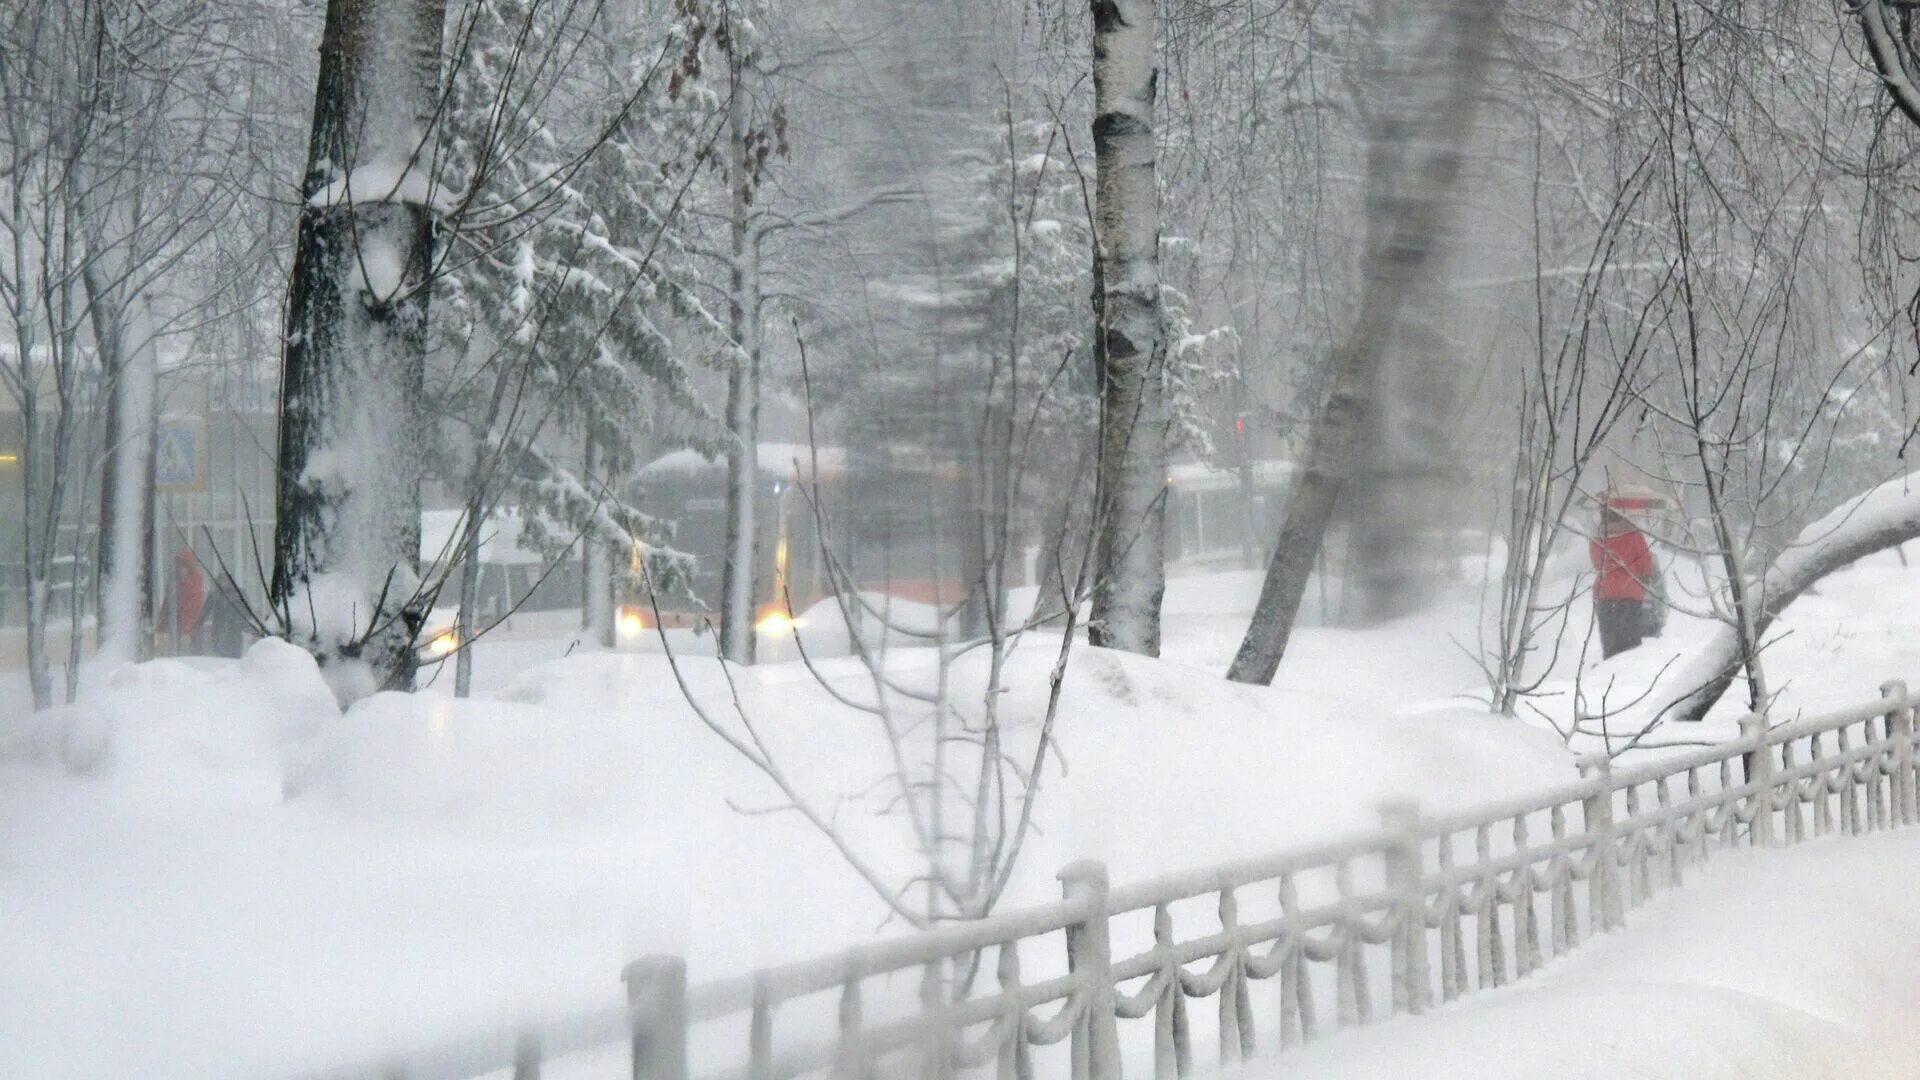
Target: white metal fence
[[1390, 921]]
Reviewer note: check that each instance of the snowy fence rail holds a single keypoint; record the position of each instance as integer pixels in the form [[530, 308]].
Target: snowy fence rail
[[1390, 921]]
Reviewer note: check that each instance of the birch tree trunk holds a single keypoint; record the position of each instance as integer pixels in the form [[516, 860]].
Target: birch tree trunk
[[1414, 204], [1130, 345], [1397, 500], [743, 396], [346, 547]]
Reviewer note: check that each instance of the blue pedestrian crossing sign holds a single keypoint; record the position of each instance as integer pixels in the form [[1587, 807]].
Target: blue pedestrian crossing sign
[[179, 455]]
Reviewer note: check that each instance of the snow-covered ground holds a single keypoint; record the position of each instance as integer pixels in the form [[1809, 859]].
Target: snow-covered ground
[[206, 871], [1793, 965]]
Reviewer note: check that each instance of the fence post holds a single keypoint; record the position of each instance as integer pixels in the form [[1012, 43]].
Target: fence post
[[657, 1017], [1096, 1036], [1759, 767], [1596, 811], [1400, 818], [1900, 734]]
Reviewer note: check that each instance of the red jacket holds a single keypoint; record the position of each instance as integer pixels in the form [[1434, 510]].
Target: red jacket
[[190, 599], [1625, 566]]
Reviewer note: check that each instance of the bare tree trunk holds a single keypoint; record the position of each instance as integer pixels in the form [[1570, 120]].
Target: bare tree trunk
[[37, 477], [743, 397], [34, 560], [1415, 207], [1063, 541], [347, 543], [596, 572], [51, 113], [467, 617], [1130, 345], [1748, 624]]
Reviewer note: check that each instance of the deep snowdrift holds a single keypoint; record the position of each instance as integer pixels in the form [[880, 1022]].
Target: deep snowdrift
[[205, 871], [1793, 965], [235, 883]]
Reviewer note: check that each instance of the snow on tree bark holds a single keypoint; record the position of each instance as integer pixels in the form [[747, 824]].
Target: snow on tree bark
[[346, 548], [599, 586], [120, 313], [123, 332], [1130, 345], [1414, 207]]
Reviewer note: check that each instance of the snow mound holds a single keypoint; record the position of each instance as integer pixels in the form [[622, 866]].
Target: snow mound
[[182, 723], [1140, 749], [438, 759], [349, 883]]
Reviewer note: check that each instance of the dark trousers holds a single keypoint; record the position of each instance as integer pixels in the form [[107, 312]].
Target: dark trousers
[[1623, 623]]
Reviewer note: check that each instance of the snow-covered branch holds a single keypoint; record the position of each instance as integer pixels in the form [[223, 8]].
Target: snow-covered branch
[[1884, 517]]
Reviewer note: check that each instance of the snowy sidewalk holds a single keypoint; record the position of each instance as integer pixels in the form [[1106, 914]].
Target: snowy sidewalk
[[1803, 962]]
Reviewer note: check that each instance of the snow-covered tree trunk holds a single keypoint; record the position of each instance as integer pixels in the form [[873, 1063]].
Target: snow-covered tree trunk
[[1455, 55], [743, 395], [112, 210], [1129, 336], [599, 584], [346, 549], [123, 332]]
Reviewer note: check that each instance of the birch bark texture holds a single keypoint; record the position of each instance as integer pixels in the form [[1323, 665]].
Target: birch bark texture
[[1434, 81], [737, 591], [347, 541], [1130, 346]]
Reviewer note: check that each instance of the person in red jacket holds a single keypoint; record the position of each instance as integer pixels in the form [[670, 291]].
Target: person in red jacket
[[1624, 565], [190, 602]]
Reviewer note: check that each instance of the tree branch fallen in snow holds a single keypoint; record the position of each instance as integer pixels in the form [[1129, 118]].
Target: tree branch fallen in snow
[[1884, 517]]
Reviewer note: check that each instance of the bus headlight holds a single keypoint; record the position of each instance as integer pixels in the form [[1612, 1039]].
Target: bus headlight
[[775, 621]]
